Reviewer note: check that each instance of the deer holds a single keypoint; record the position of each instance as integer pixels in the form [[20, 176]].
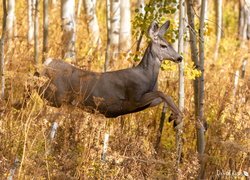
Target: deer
[[113, 93]]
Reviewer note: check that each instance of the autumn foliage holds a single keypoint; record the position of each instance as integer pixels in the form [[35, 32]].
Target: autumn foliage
[[75, 152]]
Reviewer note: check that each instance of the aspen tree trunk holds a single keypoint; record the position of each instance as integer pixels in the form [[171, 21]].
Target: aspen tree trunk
[[79, 8], [241, 19], [92, 22], [243, 68], [31, 6], [36, 33], [10, 19], [236, 82], [201, 132], [198, 83], [218, 6], [69, 28], [114, 28], [176, 20], [10, 32], [108, 24], [244, 21], [247, 16], [180, 51], [181, 81], [53, 3], [141, 5], [194, 50], [125, 27], [142, 32], [45, 28], [2, 70]]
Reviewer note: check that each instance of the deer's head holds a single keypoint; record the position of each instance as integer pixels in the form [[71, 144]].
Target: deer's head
[[160, 47]]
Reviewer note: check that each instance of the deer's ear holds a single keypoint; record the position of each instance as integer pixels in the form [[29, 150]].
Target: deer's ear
[[153, 30], [164, 28]]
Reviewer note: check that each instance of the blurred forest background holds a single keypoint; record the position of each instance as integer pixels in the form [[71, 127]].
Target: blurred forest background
[[41, 142]]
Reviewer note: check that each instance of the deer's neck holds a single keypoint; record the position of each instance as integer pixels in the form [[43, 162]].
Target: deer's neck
[[150, 65]]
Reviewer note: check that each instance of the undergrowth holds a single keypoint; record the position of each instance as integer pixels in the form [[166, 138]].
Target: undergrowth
[[75, 153]]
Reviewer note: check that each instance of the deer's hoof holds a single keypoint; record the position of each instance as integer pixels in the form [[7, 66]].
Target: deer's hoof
[[176, 118], [171, 117], [177, 121]]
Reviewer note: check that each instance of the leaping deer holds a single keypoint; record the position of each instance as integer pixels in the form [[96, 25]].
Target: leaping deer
[[114, 93]]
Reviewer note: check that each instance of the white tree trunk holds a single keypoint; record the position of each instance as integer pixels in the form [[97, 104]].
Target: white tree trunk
[[115, 27], [36, 28], [244, 21], [245, 13], [197, 86], [125, 27], [193, 48], [176, 20], [31, 6], [92, 22], [201, 143], [236, 82], [69, 28], [218, 5], [10, 19], [2, 40], [108, 24], [79, 6], [141, 5], [105, 147], [181, 81], [180, 51], [53, 3]]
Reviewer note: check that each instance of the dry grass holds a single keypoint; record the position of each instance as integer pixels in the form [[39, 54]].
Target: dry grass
[[75, 153]]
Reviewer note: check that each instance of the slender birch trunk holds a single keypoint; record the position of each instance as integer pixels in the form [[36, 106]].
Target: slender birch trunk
[[181, 81], [53, 3], [142, 32], [141, 5], [79, 6], [218, 6], [92, 22], [36, 44], [10, 19], [198, 82], [31, 6], [243, 68], [69, 28], [125, 27], [180, 51], [194, 49], [175, 44], [241, 19], [45, 28], [10, 32], [244, 21], [201, 133], [2, 69], [202, 58], [236, 82], [107, 54], [114, 27]]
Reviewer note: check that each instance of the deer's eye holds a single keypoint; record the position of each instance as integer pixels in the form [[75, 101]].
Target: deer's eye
[[163, 46]]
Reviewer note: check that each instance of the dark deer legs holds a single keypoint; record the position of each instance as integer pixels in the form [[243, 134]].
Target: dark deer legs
[[157, 97]]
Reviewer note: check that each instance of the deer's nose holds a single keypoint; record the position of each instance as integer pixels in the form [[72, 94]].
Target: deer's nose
[[179, 59]]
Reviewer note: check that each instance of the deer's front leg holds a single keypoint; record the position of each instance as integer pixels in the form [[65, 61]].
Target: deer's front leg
[[156, 97]]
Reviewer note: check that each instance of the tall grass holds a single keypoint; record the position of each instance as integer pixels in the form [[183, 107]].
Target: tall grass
[[75, 152]]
